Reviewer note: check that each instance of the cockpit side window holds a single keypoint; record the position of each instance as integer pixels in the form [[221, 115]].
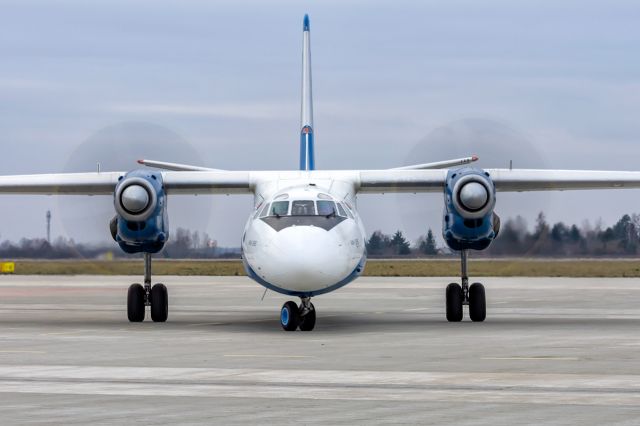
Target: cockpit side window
[[279, 208], [348, 211], [326, 208], [341, 211], [303, 208], [258, 210], [265, 210]]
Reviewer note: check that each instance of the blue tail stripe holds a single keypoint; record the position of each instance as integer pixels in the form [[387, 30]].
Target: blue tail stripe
[[307, 161], [305, 23]]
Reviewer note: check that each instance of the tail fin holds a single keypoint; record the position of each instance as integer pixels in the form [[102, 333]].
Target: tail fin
[[307, 161]]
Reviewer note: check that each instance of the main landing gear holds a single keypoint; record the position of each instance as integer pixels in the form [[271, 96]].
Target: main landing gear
[[466, 295], [293, 316], [139, 297]]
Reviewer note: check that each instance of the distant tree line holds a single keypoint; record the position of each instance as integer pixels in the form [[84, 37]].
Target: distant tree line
[[382, 245], [560, 239], [515, 239], [183, 244], [40, 248]]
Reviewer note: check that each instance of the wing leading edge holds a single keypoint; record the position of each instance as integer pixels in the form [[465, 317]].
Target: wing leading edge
[[363, 181], [104, 183], [505, 180]]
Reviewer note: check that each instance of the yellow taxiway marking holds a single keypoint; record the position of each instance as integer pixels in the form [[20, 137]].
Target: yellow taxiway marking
[[266, 356]]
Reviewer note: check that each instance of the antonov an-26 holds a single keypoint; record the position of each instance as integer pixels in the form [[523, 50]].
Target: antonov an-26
[[304, 237]]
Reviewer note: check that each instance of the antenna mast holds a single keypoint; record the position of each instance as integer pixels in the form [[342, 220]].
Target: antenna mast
[[49, 226]]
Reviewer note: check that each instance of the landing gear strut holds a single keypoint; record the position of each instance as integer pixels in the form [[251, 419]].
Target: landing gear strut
[[139, 297], [293, 316], [458, 295]]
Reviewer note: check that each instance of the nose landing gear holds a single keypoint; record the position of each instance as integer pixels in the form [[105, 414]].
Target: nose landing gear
[[293, 316], [139, 297], [458, 295]]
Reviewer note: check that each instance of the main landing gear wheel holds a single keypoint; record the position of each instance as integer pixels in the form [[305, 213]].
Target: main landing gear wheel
[[308, 320], [289, 316], [460, 295], [159, 303], [135, 303], [477, 303], [139, 297], [454, 302]]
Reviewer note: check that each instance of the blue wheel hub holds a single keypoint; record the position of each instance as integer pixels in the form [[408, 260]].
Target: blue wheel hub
[[284, 316]]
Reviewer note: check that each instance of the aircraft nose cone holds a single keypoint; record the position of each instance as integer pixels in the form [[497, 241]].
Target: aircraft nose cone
[[135, 198], [474, 196], [307, 249], [308, 258]]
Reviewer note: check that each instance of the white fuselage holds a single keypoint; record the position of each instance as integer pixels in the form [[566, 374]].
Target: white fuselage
[[303, 240]]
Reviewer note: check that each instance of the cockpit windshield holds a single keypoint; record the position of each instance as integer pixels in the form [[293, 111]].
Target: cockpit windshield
[[326, 208], [320, 207], [279, 208], [303, 208]]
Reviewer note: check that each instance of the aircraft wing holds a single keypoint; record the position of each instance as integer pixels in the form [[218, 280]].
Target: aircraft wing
[[214, 182], [505, 180], [364, 181], [519, 180], [104, 183]]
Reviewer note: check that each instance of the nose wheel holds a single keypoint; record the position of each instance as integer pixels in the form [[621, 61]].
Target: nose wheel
[[293, 316], [139, 297], [458, 295]]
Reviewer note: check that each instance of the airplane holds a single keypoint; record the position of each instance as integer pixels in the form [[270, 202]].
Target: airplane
[[304, 236]]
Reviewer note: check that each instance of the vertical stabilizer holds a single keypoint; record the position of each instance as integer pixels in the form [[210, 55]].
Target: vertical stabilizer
[[306, 117]]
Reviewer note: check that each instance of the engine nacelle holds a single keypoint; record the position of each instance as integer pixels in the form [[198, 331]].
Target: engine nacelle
[[141, 223], [469, 199]]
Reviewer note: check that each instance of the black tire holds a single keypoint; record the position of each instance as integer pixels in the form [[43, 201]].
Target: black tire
[[308, 322], [477, 303], [289, 316], [135, 303], [113, 228], [159, 303], [454, 302]]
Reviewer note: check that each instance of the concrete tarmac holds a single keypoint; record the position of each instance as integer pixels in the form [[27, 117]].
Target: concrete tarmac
[[552, 351]]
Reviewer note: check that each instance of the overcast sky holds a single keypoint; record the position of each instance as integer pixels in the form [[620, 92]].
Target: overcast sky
[[546, 84]]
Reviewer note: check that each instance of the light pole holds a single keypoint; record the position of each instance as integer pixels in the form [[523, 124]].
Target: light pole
[[49, 226]]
